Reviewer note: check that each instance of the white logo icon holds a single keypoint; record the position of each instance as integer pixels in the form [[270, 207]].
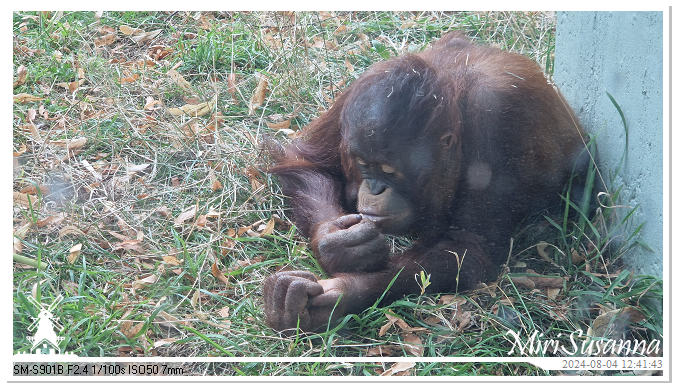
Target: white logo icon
[[45, 340]]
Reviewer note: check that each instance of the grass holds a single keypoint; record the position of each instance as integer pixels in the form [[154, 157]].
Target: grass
[[172, 213]]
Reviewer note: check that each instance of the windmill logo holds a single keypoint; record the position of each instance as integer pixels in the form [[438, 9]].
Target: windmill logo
[[45, 339]]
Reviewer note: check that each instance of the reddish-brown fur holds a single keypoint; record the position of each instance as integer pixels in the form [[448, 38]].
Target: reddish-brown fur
[[515, 146]]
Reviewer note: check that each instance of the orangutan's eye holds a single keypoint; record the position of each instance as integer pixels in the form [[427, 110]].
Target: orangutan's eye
[[388, 169]]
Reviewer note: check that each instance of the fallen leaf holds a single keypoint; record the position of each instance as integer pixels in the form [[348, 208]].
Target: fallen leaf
[[71, 86], [118, 236], [546, 281], [138, 284], [23, 230], [224, 312], [90, 169], [105, 40], [159, 52], [151, 104], [33, 129], [268, 228], [26, 98], [288, 132], [186, 215], [22, 72], [259, 94], [144, 37], [212, 214], [169, 320], [172, 260], [180, 80], [243, 230], [285, 124], [350, 67], [541, 247], [576, 257], [194, 299], [58, 55], [413, 345], [462, 319], [137, 168], [218, 274], [74, 253], [487, 289], [25, 200], [129, 245], [341, 29], [452, 300], [613, 324], [552, 293], [53, 219], [408, 24], [523, 281], [384, 350], [432, 320], [254, 176], [17, 246], [232, 87], [320, 43], [391, 320], [129, 330], [196, 110], [76, 143], [163, 211], [129, 79], [216, 185], [325, 15], [201, 222], [22, 149], [398, 367], [164, 342], [35, 189], [127, 30], [70, 230]]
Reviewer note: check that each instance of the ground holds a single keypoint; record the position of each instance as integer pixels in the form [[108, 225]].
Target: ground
[[139, 195]]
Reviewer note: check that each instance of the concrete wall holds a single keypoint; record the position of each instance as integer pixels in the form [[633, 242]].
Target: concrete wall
[[620, 53]]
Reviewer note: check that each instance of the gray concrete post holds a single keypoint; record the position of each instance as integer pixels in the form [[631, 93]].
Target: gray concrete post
[[620, 53]]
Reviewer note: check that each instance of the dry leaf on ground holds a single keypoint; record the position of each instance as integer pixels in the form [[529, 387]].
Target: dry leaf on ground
[[26, 98], [138, 284], [25, 200], [413, 345], [232, 86], [613, 324], [200, 109], [541, 248], [186, 215], [219, 274], [127, 30], [105, 40], [74, 253], [285, 124], [22, 72], [180, 80], [143, 37], [259, 94], [384, 350], [399, 368]]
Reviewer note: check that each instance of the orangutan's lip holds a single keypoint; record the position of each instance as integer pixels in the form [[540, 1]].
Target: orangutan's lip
[[374, 218]]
